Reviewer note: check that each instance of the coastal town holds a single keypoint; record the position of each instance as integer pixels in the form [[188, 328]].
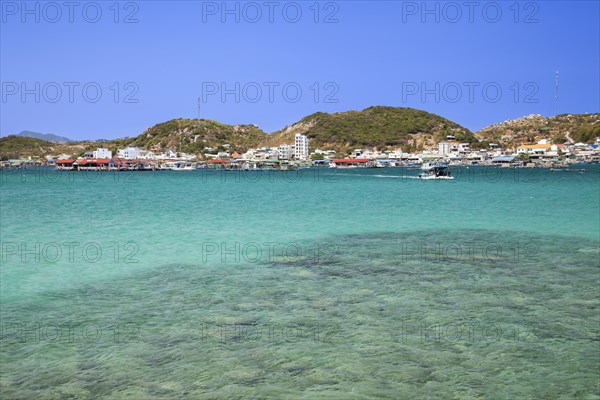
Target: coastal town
[[299, 154]]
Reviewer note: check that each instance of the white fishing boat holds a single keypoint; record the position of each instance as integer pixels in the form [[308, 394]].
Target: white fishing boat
[[435, 171], [182, 167]]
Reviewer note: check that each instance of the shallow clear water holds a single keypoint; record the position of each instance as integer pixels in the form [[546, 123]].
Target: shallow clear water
[[311, 284]]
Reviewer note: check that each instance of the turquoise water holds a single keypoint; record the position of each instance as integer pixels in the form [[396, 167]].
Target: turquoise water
[[316, 284]]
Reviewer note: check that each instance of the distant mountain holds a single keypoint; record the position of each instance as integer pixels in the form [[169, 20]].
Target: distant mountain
[[381, 127], [529, 129], [45, 136]]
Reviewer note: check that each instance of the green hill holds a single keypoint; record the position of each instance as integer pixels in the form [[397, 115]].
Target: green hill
[[375, 127], [193, 135], [380, 127], [16, 146], [560, 128]]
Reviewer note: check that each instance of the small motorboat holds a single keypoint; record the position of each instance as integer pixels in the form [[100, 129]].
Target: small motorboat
[[435, 171]]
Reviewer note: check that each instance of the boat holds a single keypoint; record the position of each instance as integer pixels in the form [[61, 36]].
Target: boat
[[182, 167], [435, 171], [565, 169]]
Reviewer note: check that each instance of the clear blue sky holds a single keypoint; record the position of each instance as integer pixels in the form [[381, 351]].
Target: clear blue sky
[[377, 53]]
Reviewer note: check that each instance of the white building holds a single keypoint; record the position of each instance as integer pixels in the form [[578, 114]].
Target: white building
[[284, 152], [171, 153], [325, 153], [368, 153], [356, 153], [464, 148], [147, 155], [534, 149], [443, 148], [301, 147], [102, 152], [130, 153], [248, 155]]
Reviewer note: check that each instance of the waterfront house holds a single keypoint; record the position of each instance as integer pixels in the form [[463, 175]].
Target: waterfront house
[[64, 164], [102, 152], [129, 153], [93, 164], [535, 150]]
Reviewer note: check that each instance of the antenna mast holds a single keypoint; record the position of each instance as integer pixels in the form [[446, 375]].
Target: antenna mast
[[556, 95], [198, 107]]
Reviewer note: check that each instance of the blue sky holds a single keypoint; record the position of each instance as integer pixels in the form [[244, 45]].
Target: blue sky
[[146, 62]]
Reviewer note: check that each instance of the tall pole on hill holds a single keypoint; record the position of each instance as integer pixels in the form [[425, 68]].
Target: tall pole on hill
[[198, 107], [556, 94]]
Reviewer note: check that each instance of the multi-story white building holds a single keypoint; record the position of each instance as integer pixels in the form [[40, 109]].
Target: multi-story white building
[[443, 148], [284, 152], [129, 153], [464, 148], [147, 155], [301, 151], [102, 152]]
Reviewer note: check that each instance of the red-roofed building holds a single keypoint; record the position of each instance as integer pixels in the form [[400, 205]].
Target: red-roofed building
[[64, 164], [93, 164]]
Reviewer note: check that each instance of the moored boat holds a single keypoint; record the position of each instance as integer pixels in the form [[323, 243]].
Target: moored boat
[[182, 167]]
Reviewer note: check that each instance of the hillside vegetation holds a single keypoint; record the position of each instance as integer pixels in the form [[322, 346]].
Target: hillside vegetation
[[560, 128], [378, 127], [193, 135], [13, 146], [375, 127]]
